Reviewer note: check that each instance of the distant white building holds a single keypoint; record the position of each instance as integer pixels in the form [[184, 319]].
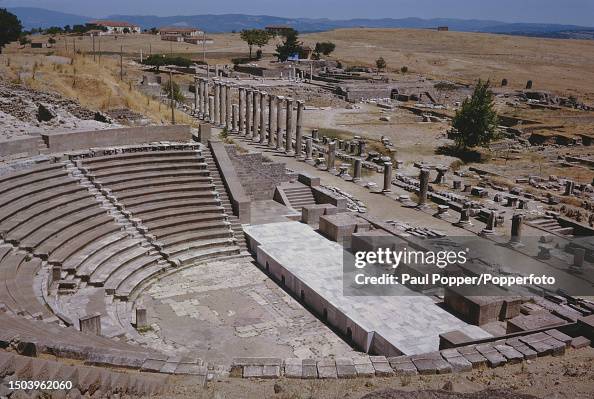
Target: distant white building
[[116, 27], [183, 34]]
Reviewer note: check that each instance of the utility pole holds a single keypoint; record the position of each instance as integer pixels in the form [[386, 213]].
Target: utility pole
[[74, 45], [94, 56], [100, 49], [171, 95], [204, 47], [121, 62]]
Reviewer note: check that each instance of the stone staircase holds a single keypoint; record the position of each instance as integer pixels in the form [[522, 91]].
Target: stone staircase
[[225, 201], [299, 197], [550, 224]]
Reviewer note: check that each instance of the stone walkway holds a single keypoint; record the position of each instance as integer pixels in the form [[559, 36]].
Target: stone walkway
[[227, 309]]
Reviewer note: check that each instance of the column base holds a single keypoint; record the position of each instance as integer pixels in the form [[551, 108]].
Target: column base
[[290, 153], [463, 223], [487, 232]]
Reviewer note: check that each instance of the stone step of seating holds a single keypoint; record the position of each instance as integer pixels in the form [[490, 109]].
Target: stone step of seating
[[38, 210], [181, 174], [141, 170], [71, 343], [152, 161], [130, 256], [74, 261], [68, 249], [166, 233], [103, 254], [131, 272], [213, 253], [179, 249], [25, 173], [45, 247], [173, 189], [149, 208], [21, 287], [29, 180], [193, 235], [150, 198], [24, 193], [74, 208], [86, 380], [149, 217], [141, 154], [158, 182], [174, 221], [123, 288], [8, 266], [9, 207]]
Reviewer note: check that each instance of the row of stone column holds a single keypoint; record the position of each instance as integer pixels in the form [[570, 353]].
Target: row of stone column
[[257, 116]]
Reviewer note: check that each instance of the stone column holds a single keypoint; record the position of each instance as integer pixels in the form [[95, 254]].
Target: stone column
[[201, 101], [578, 257], [464, 217], [516, 229], [228, 112], [248, 113], [331, 157], [357, 171], [223, 106], [440, 179], [315, 135], [206, 109], [361, 149], [196, 96], [387, 177], [279, 123], [141, 318], [263, 118], [256, 116], [235, 114], [241, 107], [289, 132], [272, 117], [255, 106], [423, 187], [211, 114], [569, 185], [90, 324], [217, 103], [308, 149], [299, 129], [490, 227]]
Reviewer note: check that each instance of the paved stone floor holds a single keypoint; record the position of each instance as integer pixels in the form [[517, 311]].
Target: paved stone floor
[[226, 309], [412, 323]]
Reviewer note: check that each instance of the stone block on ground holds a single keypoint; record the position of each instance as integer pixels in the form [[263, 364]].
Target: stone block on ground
[[364, 367], [327, 369], [558, 335], [293, 368], [310, 368], [458, 362], [403, 365], [580, 342], [381, 366], [431, 363], [494, 358], [345, 368], [512, 355]]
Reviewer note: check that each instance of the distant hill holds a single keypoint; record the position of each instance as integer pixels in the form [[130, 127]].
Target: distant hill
[[41, 18], [37, 17]]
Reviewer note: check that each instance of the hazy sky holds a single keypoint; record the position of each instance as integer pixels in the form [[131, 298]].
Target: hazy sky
[[579, 12]]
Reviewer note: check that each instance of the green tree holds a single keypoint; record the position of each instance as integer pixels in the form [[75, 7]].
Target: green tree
[[10, 27], [325, 48], [126, 31], [51, 41], [381, 64], [159, 60], [255, 37], [476, 121], [174, 91], [290, 46]]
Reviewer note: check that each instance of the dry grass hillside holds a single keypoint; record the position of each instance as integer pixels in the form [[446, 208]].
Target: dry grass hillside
[[95, 85], [566, 66]]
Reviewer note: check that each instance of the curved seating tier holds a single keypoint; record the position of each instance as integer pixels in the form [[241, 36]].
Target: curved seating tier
[[176, 201], [17, 271], [85, 380]]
